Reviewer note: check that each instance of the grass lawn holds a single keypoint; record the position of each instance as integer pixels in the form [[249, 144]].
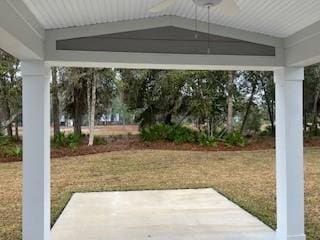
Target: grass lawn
[[247, 178]]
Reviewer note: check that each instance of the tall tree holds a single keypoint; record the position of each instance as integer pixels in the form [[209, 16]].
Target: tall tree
[[107, 90], [75, 95], [55, 102], [251, 80], [268, 96], [208, 99], [10, 90], [172, 96], [101, 88], [92, 86], [230, 89], [312, 96], [156, 94]]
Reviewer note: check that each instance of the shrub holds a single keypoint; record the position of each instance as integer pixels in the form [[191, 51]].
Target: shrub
[[99, 140], [59, 140], [11, 151], [234, 139], [268, 131], [174, 133], [17, 151], [181, 134], [159, 132], [205, 140], [5, 140], [71, 140]]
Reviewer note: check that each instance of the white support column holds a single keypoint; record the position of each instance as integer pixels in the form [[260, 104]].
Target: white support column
[[289, 153], [36, 150]]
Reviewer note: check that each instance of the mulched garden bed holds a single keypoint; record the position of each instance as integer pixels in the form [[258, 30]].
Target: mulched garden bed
[[134, 143]]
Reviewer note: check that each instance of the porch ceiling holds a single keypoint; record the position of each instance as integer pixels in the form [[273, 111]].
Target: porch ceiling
[[279, 18]]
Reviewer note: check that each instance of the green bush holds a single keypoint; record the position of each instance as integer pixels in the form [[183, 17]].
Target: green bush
[[70, 140], [268, 131], [159, 132], [59, 140], [5, 140], [99, 140], [174, 133], [235, 139], [181, 134], [205, 140], [17, 151], [11, 151]]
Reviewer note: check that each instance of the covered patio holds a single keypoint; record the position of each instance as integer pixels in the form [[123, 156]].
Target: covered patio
[[282, 36]]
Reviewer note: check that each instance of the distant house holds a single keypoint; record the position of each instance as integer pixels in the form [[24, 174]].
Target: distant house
[[66, 122], [110, 118]]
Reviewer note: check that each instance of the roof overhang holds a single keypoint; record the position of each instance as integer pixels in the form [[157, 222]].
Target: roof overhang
[[20, 33], [303, 47], [262, 51], [23, 36]]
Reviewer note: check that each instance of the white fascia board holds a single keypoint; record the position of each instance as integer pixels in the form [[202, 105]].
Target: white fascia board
[[147, 23], [21, 33], [303, 48], [160, 61]]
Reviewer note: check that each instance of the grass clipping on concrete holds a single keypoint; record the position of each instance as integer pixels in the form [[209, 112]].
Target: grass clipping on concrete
[[247, 178]]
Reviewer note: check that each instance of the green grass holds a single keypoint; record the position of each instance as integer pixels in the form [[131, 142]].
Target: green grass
[[246, 178]]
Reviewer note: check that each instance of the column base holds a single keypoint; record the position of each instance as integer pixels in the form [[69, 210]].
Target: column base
[[281, 236]]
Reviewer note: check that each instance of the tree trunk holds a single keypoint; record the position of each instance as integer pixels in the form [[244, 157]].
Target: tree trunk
[[89, 86], [248, 107], [9, 130], [210, 126], [92, 108], [55, 103], [270, 108], [199, 124], [271, 118], [77, 112], [168, 119], [305, 121], [9, 121], [230, 102], [315, 113], [305, 111], [9, 124], [17, 129]]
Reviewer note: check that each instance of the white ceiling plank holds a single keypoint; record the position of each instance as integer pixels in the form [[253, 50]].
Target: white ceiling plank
[[279, 18]]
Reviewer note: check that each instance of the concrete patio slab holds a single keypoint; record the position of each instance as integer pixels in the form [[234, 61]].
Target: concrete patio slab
[[201, 214]]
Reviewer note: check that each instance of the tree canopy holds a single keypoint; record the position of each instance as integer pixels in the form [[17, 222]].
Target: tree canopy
[[212, 101]]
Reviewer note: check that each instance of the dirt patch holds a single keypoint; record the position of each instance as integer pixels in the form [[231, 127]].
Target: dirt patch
[[99, 130], [135, 143], [254, 144]]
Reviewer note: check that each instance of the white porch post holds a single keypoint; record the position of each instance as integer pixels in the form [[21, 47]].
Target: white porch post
[[36, 150], [289, 153]]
